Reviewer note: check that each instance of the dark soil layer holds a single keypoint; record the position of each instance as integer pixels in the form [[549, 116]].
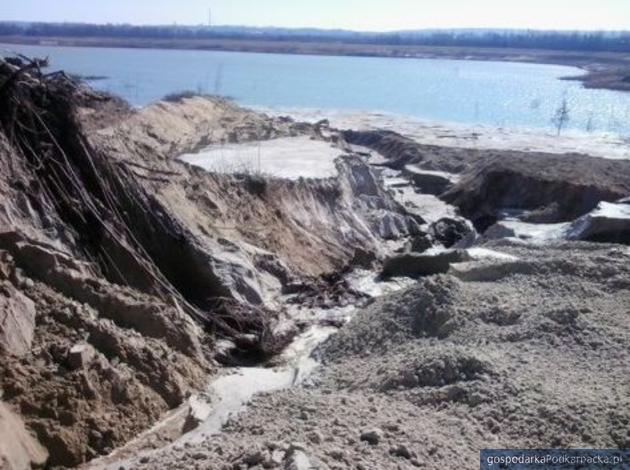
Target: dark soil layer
[[556, 188]]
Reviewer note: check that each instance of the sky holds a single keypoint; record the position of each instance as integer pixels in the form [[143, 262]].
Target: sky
[[364, 15]]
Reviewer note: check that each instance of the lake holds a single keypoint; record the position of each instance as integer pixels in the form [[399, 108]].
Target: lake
[[471, 92]]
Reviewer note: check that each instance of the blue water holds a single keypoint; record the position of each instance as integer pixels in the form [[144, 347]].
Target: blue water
[[471, 92]]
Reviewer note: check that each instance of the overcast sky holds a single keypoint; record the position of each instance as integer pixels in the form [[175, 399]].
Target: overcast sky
[[371, 15]]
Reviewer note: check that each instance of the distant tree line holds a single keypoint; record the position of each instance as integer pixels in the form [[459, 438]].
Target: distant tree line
[[554, 40]]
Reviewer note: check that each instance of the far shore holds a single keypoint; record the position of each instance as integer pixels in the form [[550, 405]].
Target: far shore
[[604, 70]]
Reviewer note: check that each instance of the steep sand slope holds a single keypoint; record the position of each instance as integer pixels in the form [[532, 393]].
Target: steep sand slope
[[120, 266], [350, 211]]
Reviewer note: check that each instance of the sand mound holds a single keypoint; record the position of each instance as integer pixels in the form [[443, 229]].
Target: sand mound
[[534, 358]]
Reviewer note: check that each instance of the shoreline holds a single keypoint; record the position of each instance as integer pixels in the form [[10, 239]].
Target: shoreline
[[603, 70], [474, 136]]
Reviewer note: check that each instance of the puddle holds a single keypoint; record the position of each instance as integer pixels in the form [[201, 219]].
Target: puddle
[[230, 394]]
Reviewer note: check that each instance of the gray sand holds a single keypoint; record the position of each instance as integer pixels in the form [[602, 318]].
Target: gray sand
[[526, 353]]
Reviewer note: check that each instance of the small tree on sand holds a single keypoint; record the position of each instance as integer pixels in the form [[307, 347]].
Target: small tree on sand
[[561, 116], [589, 123]]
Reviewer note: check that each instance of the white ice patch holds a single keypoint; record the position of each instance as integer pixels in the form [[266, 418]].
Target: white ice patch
[[287, 157], [535, 233], [368, 283], [427, 206], [485, 253], [611, 210], [606, 217]]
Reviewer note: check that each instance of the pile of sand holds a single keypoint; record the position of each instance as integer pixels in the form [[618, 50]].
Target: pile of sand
[[535, 356]]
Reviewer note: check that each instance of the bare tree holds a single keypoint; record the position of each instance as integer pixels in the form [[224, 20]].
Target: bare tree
[[589, 123], [561, 116], [218, 80]]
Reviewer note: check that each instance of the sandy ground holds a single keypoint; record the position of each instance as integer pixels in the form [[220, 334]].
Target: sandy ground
[[103, 347], [525, 351], [524, 348], [602, 145], [524, 345], [298, 157]]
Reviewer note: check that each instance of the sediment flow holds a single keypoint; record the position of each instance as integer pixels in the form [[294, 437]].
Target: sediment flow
[[396, 308]]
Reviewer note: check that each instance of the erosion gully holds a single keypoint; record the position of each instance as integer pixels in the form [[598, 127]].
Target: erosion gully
[[227, 395]]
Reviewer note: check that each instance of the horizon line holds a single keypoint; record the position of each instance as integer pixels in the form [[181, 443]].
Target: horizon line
[[322, 29]]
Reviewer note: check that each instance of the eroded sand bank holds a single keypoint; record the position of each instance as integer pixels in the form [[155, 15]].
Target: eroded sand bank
[[427, 376], [140, 281]]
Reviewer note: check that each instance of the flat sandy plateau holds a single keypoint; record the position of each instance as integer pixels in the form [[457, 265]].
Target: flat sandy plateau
[[287, 157]]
